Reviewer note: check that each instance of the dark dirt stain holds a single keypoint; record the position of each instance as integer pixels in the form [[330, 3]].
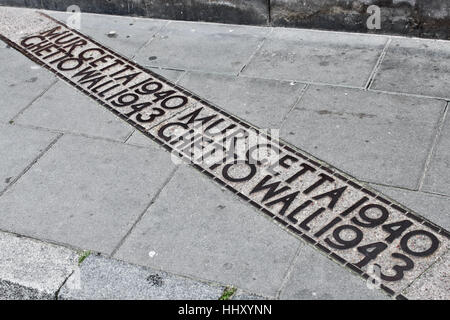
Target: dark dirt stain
[[32, 79], [8, 180], [152, 58], [155, 280], [360, 115]]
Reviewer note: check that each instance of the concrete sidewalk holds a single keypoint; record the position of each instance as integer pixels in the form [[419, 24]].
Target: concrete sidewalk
[[376, 107]]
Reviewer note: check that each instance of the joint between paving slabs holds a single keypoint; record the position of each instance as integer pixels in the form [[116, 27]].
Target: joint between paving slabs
[[139, 218], [13, 119], [288, 272], [256, 51], [40, 155], [433, 146], [408, 189], [295, 104], [147, 43], [377, 64], [402, 291]]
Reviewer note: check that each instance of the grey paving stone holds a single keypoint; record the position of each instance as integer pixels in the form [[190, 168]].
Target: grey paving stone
[[328, 57], [63, 108], [437, 178], [374, 136], [416, 66], [195, 228], [202, 47], [124, 35], [85, 192], [19, 148], [262, 102], [434, 284], [432, 207], [22, 81], [315, 277], [32, 269], [103, 278]]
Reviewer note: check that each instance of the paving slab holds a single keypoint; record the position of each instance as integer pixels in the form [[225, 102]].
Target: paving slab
[[31, 269], [315, 277], [104, 189], [19, 148], [262, 102], [101, 278], [314, 56], [22, 81], [64, 109], [375, 137], [433, 207], [434, 284], [437, 178], [195, 228], [202, 47], [415, 66], [123, 34]]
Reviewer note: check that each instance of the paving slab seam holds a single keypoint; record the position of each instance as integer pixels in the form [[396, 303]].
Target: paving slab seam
[[30, 165], [43, 240], [303, 81], [343, 177], [64, 283], [296, 102], [289, 272], [441, 195], [258, 48], [149, 41], [419, 276], [128, 137], [324, 84], [71, 133], [139, 218], [433, 147], [13, 119], [374, 72], [405, 94]]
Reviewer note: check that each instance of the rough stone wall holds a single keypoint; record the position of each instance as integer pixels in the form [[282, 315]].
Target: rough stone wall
[[425, 18], [428, 18]]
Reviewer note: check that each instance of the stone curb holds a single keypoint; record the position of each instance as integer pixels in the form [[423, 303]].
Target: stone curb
[[31, 269], [35, 270], [422, 18]]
